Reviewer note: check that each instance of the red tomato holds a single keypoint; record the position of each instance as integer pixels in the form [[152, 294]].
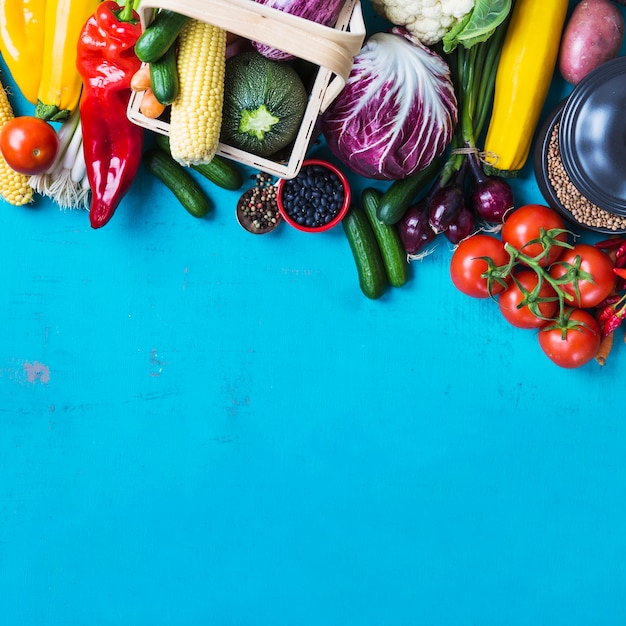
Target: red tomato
[[524, 225], [523, 285], [29, 145], [581, 342], [595, 282], [467, 268]]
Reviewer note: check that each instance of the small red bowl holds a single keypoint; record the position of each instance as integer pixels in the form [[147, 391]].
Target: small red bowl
[[287, 184]]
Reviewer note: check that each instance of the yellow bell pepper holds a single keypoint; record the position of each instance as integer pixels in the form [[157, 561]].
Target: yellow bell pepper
[[21, 43], [61, 84], [523, 78]]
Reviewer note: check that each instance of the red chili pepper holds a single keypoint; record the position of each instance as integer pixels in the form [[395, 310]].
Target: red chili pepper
[[112, 144], [620, 256], [620, 271], [605, 313], [621, 250], [610, 244], [612, 324], [612, 299]]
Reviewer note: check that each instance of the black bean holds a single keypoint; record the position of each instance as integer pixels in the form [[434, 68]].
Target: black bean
[[314, 197]]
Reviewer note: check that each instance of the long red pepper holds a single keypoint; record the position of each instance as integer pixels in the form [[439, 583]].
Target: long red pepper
[[112, 144]]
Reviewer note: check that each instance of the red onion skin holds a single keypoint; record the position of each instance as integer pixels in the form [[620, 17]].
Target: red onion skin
[[414, 230], [444, 207], [491, 199], [462, 227]]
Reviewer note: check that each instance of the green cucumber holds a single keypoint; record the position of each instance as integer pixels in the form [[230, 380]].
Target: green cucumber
[[401, 194], [369, 263], [391, 248], [220, 171], [189, 193], [160, 35], [164, 77]]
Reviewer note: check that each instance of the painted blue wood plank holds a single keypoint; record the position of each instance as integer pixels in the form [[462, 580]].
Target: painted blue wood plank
[[200, 426]]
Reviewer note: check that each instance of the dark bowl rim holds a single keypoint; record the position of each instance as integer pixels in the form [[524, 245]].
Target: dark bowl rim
[[612, 72], [540, 156]]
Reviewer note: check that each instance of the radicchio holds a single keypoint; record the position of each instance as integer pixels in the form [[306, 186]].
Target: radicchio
[[323, 12], [397, 111]]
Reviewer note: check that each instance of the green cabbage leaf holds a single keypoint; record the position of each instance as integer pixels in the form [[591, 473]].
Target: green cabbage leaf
[[478, 25]]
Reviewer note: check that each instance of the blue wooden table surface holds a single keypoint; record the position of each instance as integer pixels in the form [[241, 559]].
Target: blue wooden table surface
[[201, 426]]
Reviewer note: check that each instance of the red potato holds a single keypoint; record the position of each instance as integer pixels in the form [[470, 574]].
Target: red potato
[[592, 36]]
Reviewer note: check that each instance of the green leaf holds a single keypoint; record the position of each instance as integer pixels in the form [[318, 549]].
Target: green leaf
[[478, 25]]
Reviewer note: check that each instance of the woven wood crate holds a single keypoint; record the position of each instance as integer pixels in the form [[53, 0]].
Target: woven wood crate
[[332, 49]]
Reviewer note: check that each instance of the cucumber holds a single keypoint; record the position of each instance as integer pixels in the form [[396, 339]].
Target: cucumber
[[391, 248], [159, 35], [189, 193], [369, 263], [164, 77], [220, 171], [401, 193]]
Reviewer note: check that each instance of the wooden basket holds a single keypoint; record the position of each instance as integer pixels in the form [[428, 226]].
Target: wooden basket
[[333, 49]]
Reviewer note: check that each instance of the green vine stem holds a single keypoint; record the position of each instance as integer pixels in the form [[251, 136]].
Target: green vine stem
[[548, 238]]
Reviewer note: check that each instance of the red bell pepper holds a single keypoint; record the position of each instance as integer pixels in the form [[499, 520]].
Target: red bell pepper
[[112, 143]]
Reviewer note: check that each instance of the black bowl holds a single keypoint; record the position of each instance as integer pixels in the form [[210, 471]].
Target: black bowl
[[592, 136], [540, 162]]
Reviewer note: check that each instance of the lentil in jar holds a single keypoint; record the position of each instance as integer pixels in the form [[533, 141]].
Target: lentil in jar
[[583, 210]]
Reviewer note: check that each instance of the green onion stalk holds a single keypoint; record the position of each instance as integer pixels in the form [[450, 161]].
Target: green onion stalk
[[65, 181], [489, 198]]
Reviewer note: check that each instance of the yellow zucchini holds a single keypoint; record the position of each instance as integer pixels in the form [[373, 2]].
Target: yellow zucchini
[[22, 30], [524, 74], [61, 84]]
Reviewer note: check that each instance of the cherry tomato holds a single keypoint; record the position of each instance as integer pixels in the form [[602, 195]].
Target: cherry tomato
[[524, 225], [581, 342], [28, 144], [597, 264], [525, 282], [466, 266]]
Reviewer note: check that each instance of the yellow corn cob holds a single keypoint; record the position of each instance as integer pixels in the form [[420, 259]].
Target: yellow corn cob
[[196, 114], [14, 187]]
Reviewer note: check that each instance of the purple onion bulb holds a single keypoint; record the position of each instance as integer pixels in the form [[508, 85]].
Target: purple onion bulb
[[414, 230]]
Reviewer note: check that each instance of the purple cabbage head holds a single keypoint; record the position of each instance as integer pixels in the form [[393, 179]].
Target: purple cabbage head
[[325, 12], [397, 111]]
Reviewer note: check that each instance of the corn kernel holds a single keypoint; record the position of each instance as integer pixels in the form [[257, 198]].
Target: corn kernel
[[196, 114]]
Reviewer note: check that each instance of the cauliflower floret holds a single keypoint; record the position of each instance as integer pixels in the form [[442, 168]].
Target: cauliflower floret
[[427, 20]]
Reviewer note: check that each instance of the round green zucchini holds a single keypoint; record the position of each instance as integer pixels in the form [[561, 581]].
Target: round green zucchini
[[264, 103]]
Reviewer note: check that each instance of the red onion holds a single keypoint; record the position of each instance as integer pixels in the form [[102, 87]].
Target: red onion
[[462, 227], [491, 197], [414, 230], [445, 203]]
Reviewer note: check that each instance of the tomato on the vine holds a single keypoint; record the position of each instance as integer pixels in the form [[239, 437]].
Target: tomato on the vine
[[467, 265], [581, 342], [525, 306], [597, 279], [28, 144], [525, 224]]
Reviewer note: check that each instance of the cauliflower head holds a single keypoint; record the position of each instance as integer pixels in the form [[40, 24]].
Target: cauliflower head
[[426, 20]]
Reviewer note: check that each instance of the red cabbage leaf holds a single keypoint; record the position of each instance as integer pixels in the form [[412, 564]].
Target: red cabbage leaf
[[397, 111]]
